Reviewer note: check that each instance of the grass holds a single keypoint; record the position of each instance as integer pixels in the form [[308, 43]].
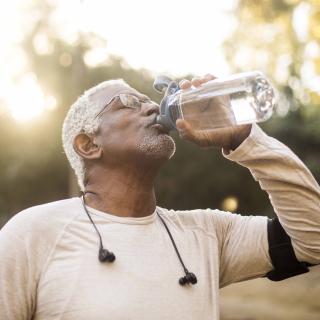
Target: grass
[[297, 298]]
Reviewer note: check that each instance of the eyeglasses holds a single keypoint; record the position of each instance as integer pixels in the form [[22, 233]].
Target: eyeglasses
[[127, 100]]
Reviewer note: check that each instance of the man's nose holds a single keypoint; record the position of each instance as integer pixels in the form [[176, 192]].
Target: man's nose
[[148, 108]]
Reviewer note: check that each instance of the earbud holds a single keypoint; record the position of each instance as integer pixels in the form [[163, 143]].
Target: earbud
[[108, 256], [105, 255], [188, 278]]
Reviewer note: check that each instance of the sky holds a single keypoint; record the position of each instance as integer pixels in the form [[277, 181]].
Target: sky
[[166, 37], [191, 34]]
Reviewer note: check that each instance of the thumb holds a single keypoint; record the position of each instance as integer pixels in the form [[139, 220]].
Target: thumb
[[181, 124], [185, 130]]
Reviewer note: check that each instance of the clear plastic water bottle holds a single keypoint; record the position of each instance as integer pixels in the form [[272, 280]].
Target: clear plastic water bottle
[[242, 98]]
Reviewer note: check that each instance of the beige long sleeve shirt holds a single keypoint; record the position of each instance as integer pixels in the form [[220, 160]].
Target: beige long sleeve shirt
[[49, 267]]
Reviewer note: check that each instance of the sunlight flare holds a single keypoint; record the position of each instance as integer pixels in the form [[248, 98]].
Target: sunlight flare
[[26, 100]]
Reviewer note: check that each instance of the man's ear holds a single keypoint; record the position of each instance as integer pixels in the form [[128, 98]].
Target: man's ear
[[85, 147]]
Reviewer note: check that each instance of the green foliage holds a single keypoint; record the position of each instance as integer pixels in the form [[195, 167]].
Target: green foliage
[[34, 170], [280, 37], [269, 37]]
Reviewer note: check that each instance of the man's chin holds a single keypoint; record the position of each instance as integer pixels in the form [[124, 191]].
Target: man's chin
[[161, 146], [173, 149]]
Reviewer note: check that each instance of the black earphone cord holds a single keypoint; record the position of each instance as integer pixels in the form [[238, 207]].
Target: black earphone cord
[[189, 277], [105, 255]]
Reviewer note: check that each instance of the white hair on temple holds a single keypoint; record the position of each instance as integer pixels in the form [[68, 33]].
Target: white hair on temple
[[81, 118]]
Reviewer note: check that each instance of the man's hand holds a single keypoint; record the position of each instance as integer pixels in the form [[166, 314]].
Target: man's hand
[[228, 138]]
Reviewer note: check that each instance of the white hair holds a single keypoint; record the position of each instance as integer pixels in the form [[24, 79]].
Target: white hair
[[81, 118]]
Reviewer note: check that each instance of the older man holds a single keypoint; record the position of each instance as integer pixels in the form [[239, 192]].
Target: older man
[[113, 254]]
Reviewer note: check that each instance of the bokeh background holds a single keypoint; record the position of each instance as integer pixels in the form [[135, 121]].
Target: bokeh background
[[51, 51]]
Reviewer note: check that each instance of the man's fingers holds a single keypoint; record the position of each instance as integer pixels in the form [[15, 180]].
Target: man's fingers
[[185, 84], [196, 82], [209, 77], [201, 138], [182, 125], [185, 130]]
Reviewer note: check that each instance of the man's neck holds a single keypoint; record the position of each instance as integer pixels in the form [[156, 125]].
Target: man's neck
[[124, 193]]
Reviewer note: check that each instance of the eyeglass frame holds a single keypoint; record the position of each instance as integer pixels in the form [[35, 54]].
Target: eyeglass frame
[[125, 99]]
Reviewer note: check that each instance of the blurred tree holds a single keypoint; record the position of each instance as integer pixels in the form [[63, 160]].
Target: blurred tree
[[34, 170], [282, 38]]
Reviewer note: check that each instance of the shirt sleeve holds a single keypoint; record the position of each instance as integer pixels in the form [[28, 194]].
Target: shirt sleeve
[[17, 275], [243, 244], [294, 195]]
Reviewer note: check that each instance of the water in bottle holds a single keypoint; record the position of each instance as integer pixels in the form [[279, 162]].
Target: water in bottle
[[238, 99]]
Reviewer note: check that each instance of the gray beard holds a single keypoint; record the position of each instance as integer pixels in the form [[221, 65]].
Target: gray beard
[[157, 147]]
